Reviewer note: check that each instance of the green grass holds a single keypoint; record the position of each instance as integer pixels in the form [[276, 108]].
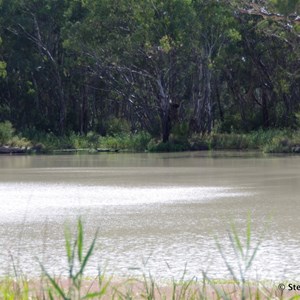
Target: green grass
[[256, 140], [268, 141], [47, 142], [129, 142]]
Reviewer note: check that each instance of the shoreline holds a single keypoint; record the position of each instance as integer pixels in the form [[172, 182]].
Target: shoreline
[[270, 141], [132, 288]]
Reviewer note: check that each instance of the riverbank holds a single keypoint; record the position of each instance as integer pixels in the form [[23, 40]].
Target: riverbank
[[272, 141], [268, 141]]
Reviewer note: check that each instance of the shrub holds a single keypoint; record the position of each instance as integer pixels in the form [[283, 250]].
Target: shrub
[[115, 142], [92, 139], [279, 145], [198, 143], [133, 142], [6, 132], [140, 141], [20, 142], [229, 141]]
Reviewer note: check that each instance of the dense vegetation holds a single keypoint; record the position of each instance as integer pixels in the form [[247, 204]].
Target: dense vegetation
[[159, 68]]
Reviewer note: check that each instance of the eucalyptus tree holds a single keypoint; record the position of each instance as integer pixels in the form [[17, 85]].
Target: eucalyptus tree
[[136, 48], [161, 58], [265, 76], [33, 29], [215, 27]]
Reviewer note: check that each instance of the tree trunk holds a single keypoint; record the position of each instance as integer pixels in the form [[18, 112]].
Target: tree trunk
[[207, 99], [166, 128], [165, 110], [62, 104], [203, 105], [84, 111], [265, 112]]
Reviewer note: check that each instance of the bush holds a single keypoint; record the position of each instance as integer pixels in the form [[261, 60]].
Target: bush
[[278, 145], [284, 144], [93, 139], [199, 143], [229, 141], [20, 142], [6, 132], [114, 142], [133, 142], [77, 141], [140, 141]]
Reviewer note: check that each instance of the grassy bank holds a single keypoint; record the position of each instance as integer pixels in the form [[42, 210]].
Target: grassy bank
[[77, 286], [271, 141], [268, 141]]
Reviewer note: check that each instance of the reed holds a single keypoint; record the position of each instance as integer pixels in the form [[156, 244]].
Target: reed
[[77, 286]]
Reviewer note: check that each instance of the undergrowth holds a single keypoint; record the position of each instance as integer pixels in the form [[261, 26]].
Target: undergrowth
[[268, 141]]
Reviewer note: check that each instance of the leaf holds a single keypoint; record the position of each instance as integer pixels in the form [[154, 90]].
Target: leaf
[[54, 283], [97, 294], [68, 245], [86, 258], [80, 240]]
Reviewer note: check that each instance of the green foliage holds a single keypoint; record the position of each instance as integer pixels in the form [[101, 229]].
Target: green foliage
[[3, 71], [244, 252], [286, 7], [140, 141], [256, 140], [113, 67], [284, 143], [180, 132], [199, 142], [92, 139], [116, 142], [168, 146], [178, 140], [131, 142], [77, 262], [20, 142], [116, 126], [229, 141], [6, 132]]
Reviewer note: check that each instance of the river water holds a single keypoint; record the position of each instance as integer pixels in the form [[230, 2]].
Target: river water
[[158, 213]]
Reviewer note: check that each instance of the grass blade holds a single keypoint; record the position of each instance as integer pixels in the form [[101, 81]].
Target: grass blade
[[80, 240], [86, 258], [54, 284]]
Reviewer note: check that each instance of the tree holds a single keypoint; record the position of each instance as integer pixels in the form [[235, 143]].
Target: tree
[[40, 23], [136, 51], [214, 27]]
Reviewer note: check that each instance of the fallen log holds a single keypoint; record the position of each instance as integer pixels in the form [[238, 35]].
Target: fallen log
[[12, 150], [107, 150], [72, 150]]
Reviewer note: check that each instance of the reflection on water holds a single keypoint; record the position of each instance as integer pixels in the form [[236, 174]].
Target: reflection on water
[[155, 212], [48, 199]]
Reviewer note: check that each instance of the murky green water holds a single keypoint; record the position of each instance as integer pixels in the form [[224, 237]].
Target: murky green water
[[158, 212]]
